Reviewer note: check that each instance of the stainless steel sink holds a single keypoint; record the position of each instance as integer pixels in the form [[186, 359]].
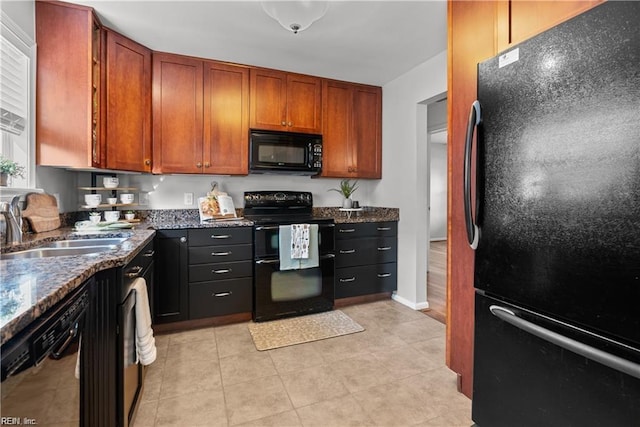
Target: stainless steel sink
[[79, 243], [52, 252]]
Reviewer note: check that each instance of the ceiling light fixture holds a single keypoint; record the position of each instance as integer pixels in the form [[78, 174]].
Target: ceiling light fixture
[[296, 16]]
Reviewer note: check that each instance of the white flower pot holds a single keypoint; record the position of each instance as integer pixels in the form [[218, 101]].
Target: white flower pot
[[347, 203]]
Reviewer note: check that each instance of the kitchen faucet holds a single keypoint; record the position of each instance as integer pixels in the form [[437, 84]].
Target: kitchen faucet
[[13, 220]]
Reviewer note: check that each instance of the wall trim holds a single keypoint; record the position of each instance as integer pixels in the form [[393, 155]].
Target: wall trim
[[415, 306]]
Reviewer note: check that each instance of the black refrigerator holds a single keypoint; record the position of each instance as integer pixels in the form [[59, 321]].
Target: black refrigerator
[[552, 200]]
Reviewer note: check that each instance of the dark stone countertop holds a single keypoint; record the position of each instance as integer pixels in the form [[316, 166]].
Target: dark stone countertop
[[29, 287]]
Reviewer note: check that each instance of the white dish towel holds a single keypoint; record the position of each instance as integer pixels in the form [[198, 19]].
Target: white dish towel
[[145, 341]]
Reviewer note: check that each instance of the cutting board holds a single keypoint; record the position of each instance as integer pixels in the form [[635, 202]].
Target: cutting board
[[41, 210]]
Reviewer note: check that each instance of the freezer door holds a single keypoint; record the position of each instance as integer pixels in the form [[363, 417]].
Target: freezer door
[[523, 380], [559, 183]]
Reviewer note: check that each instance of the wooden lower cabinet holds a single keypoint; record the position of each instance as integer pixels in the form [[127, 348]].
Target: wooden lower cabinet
[[366, 258], [171, 286], [478, 30]]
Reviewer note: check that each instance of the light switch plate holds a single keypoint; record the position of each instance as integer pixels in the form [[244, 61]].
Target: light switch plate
[[188, 199]]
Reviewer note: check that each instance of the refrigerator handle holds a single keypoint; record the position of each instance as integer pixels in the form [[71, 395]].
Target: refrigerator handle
[[473, 233], [592, 353]]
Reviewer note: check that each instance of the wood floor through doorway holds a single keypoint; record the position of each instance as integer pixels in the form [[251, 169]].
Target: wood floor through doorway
[[437, 281]]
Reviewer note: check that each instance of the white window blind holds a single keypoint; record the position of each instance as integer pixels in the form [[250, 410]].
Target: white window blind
[[14, 88]]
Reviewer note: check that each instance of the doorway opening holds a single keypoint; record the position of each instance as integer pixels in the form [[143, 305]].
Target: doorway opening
[[437, 210]]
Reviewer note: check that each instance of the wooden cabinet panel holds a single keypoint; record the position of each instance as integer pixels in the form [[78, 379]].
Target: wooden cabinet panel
[[352, 130], [477, 31], [171, 287], [177, 114], [68, 86], [226, 119], [285, 101], [128, 106], [518, 20]]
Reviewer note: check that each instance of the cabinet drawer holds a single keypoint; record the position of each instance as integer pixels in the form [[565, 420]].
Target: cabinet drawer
[[140, 263], [369, 279], [222, 253], [220, 236], [220, 271], [366, 229], [220, 298], [365, 251]]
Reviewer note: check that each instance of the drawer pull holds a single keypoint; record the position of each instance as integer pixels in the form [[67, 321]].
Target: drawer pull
[[347, 251], [384, 248], [384, 228], [383, 275], [149, 253], [222, 271], [221, 253], [133, 272], [350, 279], [346, 230], [220, 236], [222, 294]]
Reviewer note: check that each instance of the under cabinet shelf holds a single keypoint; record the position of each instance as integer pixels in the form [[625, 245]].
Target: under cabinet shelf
[[108, 189], [106, 205]]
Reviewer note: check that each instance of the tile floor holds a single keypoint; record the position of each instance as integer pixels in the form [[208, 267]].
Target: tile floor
[[392, 374]]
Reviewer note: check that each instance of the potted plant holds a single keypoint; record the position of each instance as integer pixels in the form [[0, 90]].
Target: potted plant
[[129, 215], [347, 188], [9, 168], [95, 217]]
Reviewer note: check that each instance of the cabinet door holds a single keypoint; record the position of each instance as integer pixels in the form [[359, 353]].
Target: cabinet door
[[367, 132], [304, 104], [268, 99], [520, 20], [337, 155], [226, 119], [128, 106], [177, 114], [68, 86], [171, 292]]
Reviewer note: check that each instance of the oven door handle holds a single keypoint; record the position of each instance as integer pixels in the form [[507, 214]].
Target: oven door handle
[[277, 227], [277, 260]]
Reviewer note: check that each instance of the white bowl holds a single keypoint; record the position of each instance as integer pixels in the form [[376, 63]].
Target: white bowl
[[129, 216], [110, 182], [112, 200], [126, 198], [94, 218], [110, 216], [92, 199]]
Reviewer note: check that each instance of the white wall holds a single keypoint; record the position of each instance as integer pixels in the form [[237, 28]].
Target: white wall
[[404, 182]]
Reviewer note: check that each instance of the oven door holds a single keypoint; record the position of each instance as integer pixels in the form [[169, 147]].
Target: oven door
[[266, 240], [287, 293]]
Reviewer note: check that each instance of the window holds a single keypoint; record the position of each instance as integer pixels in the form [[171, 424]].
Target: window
[[17, 143]]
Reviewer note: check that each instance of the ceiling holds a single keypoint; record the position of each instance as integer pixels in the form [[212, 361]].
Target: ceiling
[[370, 42]]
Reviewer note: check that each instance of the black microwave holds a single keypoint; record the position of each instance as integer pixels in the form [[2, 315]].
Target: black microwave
[[285, 153]]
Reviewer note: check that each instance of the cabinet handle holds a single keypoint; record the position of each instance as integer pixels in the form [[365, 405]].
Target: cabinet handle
[[220, 236], [384, 228], [290, 123], [207, 164], [149, 253], [198, 165], [225, 270], [133, 272], [222, 294], [346, 230], [347, 251], [147, 162], [183, 240], [284, 123], [385, 248], [350, 279], [383, 275], [221, 253]]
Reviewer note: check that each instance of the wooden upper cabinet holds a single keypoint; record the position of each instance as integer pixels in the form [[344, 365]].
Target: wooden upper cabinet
[[226, 119], [128, 106], [68, 86], [177, 114], [478, 30], [352, 130], [285, 101], [518, 20], [200, 116]]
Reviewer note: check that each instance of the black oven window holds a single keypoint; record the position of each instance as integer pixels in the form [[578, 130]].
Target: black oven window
[[281, 154], [292, 285]]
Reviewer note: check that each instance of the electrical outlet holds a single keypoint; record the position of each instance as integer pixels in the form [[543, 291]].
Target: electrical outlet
[[188, 199], [143, 198]]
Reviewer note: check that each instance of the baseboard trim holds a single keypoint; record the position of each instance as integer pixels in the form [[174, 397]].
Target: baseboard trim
[[410, 304]]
